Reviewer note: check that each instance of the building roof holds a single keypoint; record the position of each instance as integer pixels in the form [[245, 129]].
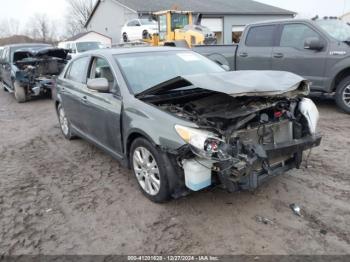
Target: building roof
[[205, 6], [80, 35], [15, 39], [241, 7]]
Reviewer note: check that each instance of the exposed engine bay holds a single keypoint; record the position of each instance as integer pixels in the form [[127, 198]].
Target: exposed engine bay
[[37, 70], [248, 138]]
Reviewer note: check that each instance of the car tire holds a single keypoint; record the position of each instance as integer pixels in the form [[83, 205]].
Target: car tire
[[20, 92], [3, 86], [342, 95], [64, 123], [149, 170], [145, 35], [125, 38]]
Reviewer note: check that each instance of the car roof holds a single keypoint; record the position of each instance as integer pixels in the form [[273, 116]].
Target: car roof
[[131, 50], [278, 21]]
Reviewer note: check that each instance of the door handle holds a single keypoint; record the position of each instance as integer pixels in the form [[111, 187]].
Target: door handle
[[278, 55], [243, 54], [84, 99]]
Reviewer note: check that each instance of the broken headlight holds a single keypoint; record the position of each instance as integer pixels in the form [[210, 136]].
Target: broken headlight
[[311, 114], [203, 143]]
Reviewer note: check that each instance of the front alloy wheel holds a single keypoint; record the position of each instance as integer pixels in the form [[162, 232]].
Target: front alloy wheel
[[146, 171], [148, 166], [346, 95], [20, 92], [342, 95]]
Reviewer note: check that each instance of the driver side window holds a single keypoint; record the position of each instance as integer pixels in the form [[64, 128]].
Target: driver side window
[[294, 35], [101, 69]]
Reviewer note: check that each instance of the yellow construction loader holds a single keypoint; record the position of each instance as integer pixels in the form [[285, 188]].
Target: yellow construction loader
[[177, 28]]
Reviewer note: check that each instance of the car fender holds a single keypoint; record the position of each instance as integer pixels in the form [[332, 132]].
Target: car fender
[[152, 123], [334, 72], [14, 70]]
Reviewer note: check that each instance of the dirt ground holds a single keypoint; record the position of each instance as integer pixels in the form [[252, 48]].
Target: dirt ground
[[61, 197]]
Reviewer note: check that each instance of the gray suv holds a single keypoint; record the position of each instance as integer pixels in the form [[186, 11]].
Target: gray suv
[[182, 123]]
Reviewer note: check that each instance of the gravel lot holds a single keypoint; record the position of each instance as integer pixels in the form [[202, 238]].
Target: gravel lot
[[61, 197]]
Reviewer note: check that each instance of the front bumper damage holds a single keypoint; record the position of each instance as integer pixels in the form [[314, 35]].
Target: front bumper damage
[[235, 176], [38, 85], [259, 164]]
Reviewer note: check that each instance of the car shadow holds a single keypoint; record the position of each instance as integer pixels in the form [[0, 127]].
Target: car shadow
[[326, 103]]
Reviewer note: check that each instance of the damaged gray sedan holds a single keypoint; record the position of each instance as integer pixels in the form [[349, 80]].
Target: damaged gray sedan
[[182, 123]]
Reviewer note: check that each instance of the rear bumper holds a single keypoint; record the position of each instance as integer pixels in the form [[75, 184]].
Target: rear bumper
[[252, 178]]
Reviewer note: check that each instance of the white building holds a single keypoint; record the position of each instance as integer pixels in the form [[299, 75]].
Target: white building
[[227, 18], [91, 36]]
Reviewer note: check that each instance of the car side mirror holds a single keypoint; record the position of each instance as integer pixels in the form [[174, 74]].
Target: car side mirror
[[98, 84], [313, 43], [226, 67]]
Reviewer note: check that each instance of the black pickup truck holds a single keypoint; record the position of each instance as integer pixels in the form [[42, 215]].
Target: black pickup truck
[[318, 50]]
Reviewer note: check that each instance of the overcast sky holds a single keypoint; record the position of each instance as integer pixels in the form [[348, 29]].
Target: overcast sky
[[23, 9], [310, 8]]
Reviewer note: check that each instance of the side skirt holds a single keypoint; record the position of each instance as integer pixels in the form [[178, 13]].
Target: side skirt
[[121, 158]]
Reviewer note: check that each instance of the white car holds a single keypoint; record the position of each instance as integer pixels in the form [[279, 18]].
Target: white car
[[78, 47], [138, 29]]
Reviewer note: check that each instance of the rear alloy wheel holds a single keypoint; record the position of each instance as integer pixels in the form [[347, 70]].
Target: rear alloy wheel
[[20, 92], [342, 95], [149, 171], [64, 123], [125, 38]]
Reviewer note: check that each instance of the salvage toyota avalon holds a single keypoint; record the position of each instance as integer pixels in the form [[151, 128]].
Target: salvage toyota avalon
[[182, 123]]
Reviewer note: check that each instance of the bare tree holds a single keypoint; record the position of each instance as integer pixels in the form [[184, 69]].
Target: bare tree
[[40, 27], [79, 13], [9, 27]]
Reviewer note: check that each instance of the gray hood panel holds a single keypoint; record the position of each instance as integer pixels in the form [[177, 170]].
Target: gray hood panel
[[239, 83]]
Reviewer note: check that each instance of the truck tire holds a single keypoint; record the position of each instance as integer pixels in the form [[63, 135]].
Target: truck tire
[[20, 92], [149, 169], [342, 95], [145, 35]]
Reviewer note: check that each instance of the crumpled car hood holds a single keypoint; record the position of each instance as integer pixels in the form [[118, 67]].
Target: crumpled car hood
[[238, 83], [37, 54]]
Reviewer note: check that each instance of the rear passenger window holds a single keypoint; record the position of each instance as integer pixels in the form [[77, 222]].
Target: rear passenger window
[[134, 23], [294, 35], [77, 70], [260, 36]]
